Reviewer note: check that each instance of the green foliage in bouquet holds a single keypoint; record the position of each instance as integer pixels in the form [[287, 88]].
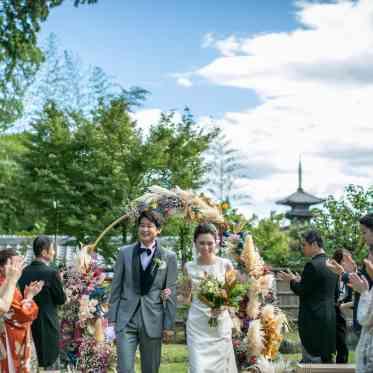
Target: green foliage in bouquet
[[219, 295]]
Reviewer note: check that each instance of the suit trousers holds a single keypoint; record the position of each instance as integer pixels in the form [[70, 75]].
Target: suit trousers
[[129, 339], [342, 349]]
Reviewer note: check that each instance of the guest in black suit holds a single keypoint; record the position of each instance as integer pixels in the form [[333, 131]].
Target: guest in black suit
[[343, 302], [45, 329], [316, 290], [366, 224]]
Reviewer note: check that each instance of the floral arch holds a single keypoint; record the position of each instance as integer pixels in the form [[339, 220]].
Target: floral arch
[[86, 341]]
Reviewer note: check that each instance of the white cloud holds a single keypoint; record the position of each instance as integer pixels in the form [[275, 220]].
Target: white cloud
[[316, 85], [227, 47], [145, 118], [208, 40], [184, 82]]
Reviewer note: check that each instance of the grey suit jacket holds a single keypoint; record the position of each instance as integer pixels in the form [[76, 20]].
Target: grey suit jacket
[[125, 292]]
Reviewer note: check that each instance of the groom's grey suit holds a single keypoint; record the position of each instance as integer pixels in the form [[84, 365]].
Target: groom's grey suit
[[136, 307]]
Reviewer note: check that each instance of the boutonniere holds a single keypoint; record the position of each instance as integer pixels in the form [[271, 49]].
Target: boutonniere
[[161, 264]]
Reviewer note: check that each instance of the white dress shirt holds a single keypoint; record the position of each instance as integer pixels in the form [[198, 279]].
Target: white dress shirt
[[144, 257]]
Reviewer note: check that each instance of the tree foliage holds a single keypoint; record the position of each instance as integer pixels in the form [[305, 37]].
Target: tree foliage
[[77, 173], [73, 86], [226, 169], [20, 55], [13, 212], [272, 241], [175, 148], [338, 220]]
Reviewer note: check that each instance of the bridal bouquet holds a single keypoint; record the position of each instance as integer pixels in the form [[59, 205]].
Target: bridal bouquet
[[220, 295]]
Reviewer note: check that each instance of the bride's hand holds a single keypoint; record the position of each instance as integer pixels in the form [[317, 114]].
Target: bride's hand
[[215, 312], [165, 294]]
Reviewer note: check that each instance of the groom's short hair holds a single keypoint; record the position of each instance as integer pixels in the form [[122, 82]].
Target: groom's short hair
[[313, 236], [41, 243], [152, 216]]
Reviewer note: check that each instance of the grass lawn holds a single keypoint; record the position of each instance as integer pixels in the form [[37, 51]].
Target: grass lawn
[[294, 337], [175, 359], [175, 356]]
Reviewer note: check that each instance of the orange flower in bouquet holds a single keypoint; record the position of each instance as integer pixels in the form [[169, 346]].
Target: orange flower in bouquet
[[220, 295]]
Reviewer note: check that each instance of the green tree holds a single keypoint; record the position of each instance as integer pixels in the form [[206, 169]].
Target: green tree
[[175, 151], [81, 164], [226, 168], [94, 166], [72, 86], [20, 56], [338, 220], [272, 240], [14, 214]]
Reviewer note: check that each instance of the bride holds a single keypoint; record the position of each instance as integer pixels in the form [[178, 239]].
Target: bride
[[210, 348]]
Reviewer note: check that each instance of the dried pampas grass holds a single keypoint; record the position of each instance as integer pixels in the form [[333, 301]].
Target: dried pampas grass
[[252, 308], [273, 321], [251, 258], [265, 366], [254, 338], [266, 284]]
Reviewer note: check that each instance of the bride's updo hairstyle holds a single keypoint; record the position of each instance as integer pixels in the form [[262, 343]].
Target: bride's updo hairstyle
[[205, 228]]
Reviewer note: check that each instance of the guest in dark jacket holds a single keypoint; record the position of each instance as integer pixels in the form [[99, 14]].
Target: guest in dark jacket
[[343, 302], [45, 329], [316, 290], [366, 225]]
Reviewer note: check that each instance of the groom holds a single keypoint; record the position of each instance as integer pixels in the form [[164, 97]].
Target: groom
[[140, 317]]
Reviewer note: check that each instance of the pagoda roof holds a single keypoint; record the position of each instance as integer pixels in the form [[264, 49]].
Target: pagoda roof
[[300, 197]]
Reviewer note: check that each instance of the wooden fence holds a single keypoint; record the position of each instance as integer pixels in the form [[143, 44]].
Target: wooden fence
[[286, 299], [65, 251]]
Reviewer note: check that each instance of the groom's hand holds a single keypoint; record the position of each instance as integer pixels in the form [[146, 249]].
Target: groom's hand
[[167, 336]]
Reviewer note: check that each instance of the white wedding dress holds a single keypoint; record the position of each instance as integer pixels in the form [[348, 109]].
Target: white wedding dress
[[210, 348]]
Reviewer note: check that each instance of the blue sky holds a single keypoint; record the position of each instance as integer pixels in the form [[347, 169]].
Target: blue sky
[[143, 43], [281, 78]]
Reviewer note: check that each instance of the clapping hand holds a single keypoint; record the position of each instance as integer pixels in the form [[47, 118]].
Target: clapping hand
[[358, 283], [14, 268], [289, 276], [349, 264], [33, 289], [335, 267]]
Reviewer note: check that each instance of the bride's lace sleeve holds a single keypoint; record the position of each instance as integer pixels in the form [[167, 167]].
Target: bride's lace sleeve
[[365, 309]]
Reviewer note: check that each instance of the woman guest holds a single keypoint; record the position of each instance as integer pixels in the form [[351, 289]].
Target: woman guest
[[15, 334], [210, 348], [360, 283], [364, 349], [343, 302], [12, 271]]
